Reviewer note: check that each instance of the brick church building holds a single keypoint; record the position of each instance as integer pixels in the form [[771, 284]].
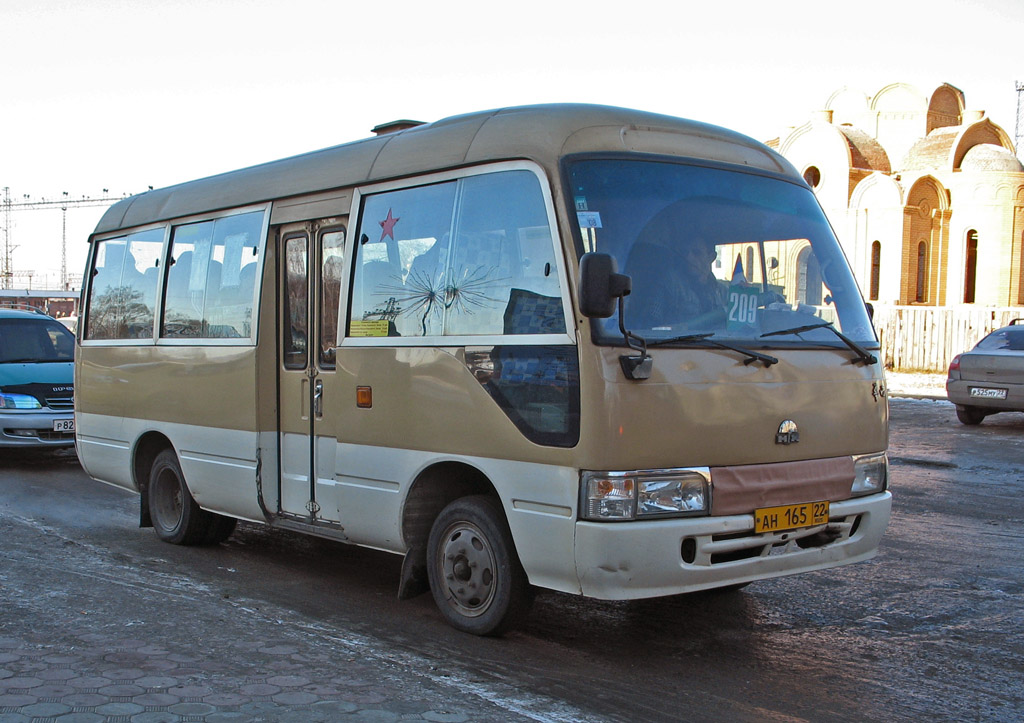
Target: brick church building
[[926, 196]]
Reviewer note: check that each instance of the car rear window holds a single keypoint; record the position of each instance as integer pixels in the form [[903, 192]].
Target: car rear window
[[1010, 338]]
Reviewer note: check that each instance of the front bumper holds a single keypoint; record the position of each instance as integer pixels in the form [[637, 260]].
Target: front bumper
[[631, 560], [34, 429]]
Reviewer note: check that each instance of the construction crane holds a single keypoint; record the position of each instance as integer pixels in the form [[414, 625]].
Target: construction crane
[[7, 272]]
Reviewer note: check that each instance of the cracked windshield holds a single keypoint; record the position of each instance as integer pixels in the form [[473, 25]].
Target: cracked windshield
[[716, 252]]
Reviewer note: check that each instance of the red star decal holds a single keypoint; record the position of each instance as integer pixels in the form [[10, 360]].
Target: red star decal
[[388, 225]]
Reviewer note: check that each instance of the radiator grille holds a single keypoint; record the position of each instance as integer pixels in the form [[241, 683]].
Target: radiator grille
[[61, 404]]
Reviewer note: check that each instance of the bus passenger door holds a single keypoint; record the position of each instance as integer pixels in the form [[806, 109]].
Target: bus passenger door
[[311, 261]]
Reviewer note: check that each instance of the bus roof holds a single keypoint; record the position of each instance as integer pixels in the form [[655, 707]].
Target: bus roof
[[542, 133]]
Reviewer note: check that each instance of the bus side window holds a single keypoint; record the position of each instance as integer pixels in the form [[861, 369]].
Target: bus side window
[[122, 295], [295, 314], [503, 250], [399, 282], [332, 250], [231, 275], [210, 281], [186, 288], [465, 248]]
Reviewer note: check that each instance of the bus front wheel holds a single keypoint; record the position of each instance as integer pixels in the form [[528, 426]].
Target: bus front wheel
[[475, 576], [176, 516]]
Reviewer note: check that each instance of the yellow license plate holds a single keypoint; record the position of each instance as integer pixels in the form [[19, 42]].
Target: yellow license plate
[[790, 517]]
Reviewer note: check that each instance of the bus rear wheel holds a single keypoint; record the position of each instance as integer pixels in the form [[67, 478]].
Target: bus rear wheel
[[475, 575], [176, 516]]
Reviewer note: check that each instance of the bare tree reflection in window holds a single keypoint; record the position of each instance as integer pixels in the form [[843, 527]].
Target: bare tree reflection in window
[[120, 313]]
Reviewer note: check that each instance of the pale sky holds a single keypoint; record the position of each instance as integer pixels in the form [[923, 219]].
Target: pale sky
[[126, 94]]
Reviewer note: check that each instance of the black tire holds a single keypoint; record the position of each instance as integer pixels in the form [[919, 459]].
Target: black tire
[[727, 589], [175, 515], [475, 575], [970, 415], [220, 529]]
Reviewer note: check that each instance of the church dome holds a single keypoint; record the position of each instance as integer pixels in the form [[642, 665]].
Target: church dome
[[990, 157], [932, 151], [865, 152]]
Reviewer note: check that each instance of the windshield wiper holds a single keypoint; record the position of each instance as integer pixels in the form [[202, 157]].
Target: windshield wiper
[[862, 354], [680, 339], [751, 356]]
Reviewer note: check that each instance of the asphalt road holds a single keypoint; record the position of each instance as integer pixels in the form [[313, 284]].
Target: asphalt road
[[99, 620]]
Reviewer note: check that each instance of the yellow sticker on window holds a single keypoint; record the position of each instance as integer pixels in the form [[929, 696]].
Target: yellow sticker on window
[[377, 327]]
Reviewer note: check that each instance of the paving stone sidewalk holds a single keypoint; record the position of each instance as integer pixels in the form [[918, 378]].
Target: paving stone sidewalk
[[85, 677], [86, 637]]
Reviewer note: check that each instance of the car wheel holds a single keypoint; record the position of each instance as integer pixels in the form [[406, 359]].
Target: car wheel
[[475, 574], [176, 516], [969, 415]]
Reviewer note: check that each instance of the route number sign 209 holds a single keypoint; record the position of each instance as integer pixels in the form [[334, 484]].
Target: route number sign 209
[[741, 309]]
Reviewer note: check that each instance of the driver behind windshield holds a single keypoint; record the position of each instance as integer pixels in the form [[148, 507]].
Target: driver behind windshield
[[673, 284]]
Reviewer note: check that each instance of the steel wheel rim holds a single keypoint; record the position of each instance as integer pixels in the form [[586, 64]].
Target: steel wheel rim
[[468, 569], [169, 505]]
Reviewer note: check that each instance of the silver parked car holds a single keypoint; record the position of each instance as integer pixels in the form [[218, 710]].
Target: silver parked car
[[990, 377]]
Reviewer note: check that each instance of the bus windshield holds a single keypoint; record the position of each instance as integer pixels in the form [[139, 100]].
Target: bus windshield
[[716, 252]]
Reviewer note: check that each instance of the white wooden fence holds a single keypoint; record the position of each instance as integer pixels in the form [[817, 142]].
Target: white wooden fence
[[926, 338]]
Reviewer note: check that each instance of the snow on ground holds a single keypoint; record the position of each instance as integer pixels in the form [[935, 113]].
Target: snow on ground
[[906, 384]]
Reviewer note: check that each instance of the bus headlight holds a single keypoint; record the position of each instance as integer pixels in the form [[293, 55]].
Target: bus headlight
[[19, 401], [870, 474], [644, 494]]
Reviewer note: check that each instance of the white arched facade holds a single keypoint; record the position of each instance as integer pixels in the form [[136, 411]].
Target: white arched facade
[[876, 215], [954, 190]]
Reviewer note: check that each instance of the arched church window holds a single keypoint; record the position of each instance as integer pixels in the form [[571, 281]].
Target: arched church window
[[876, 269], [921, 294], [1020, 285], [971, 267], [808, 283]]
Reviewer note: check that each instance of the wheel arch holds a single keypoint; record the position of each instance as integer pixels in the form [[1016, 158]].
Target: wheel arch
[[148, 446], [434, 489]]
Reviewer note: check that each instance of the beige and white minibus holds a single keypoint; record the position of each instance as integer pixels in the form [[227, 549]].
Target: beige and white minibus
[[594, 350]]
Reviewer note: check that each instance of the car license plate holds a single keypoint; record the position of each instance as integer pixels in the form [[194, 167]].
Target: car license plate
[[790, 517], [64, 425], [986, 393]]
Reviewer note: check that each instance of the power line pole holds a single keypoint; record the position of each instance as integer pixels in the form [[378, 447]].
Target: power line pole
[[7, 271], [64, 244], [1018, 139]]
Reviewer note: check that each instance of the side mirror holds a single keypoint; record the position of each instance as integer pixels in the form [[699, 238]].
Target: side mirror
[[601, 285], [602, 290]]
